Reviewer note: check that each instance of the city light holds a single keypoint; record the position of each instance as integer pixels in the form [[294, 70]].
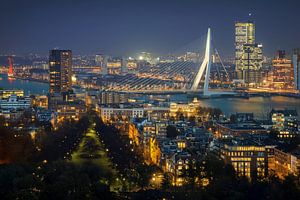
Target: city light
[[143, 103]]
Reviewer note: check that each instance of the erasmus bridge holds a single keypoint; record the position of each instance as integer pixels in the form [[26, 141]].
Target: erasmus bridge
[[206, 66], [163, 71]]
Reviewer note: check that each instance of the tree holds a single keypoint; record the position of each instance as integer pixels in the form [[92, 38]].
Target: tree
[[233, 118], [274, 134], [171, 131], [167, 181], [216, 112], [291, 187], [190, 174]]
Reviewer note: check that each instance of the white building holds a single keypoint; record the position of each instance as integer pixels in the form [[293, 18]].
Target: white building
[[108, 113], [14, 102]]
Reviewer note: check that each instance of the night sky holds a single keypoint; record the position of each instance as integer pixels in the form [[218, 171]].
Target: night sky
[[125, 27]]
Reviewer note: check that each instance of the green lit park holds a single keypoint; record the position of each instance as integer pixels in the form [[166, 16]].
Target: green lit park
[[92, 152]]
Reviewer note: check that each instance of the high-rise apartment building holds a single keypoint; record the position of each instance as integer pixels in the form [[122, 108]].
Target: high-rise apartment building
[[283, 73], [99, 60], [116, 66], [60, 67], [251, 62], [244, 33], [248, 54], [296, 66]]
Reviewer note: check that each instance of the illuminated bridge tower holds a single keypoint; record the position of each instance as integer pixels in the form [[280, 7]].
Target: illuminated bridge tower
[[206, 64]]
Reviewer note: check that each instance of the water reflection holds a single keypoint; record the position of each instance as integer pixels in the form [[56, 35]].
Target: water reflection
[[29, 87], [260, 106]]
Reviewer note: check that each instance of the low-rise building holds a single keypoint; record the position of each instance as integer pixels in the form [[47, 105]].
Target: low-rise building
[[40, 101], [8, 93], [187, 110], [176, 164], [108, 113], [70, 110], [286, 122], [14, 102], [11, 115], [238, 129], [247, 158], [109, 97], [285, 162]]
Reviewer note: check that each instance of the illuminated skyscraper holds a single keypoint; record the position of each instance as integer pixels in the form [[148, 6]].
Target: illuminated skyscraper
[[60, 66], [116, 66], [283, 76], [251, 63], [296, 65], [248, 54], [145, 56], [99, 59], [244, 33]]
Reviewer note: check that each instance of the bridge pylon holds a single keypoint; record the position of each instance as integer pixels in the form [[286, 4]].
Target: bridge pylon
[[206, 65]]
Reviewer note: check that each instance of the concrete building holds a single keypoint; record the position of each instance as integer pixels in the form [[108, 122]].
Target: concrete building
[[283, 72], [60, 67], [8, 93], [225, 130], [100, 60], [285, 121], [40, 101], [187, 110], [116, 66], [284, 162], [248, 159], [145, 56], [109, 97], [73, 110], [108, 113], [176, 164], [14, 102], [248, 54], [296, 67]]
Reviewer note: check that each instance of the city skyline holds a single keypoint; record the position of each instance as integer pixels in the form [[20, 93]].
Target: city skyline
[[119, 28], [149, 99]]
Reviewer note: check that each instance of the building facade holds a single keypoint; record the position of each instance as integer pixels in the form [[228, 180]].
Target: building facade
[[285, 163], [108, 113], [14, 102], [8, 93], [60, 67], [286, 122], [283, 72], [296, 67], [247, 159], [248, 54]]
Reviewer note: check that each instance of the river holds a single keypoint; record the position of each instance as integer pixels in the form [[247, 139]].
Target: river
[[29, 87], [260, 106]]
